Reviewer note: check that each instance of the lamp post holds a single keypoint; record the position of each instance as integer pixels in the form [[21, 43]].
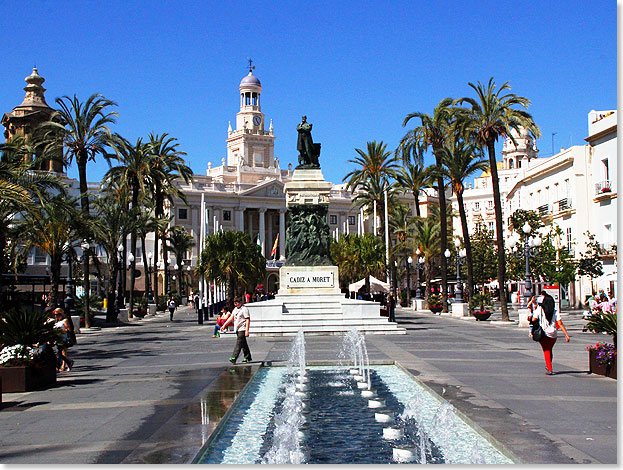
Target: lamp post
[[409, 261], [447, 254], [159, 267], [418, 262], [167, 280], [181, 278], [69, 285], [176, 269], [530, 250], [460, 260], [119, 296], [150, 292]]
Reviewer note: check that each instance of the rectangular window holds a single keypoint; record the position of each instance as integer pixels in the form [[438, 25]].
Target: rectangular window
[[490, 204], [352, 220], [226, 216], [182, 214], [569, 240], [477, 205], [40, 256], [491, 226], [333, 219], [606, 169]]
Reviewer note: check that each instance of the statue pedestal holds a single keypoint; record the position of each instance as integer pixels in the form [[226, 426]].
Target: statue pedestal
[[307, 187], [523, 318], [301, 280]]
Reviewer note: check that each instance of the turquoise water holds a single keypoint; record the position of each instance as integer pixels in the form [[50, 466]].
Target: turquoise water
[[333, 424]]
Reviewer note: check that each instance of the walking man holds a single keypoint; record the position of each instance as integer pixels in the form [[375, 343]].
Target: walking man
[[241, 320]]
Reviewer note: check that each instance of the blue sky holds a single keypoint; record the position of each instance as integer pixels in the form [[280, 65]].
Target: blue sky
[[356, 69]]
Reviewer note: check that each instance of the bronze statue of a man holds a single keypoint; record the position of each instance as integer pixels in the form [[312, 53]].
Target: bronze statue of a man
[[308, 151]]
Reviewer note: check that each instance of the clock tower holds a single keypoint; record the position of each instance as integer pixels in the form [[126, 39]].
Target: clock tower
[[250, 144]]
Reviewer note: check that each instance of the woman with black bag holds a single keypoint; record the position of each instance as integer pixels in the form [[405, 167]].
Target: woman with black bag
[[545, 322]]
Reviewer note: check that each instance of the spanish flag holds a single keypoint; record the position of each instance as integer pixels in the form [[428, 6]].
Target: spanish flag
[[274, 251]]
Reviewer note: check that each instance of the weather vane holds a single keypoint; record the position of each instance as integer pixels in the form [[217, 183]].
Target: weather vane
[[251, 67]]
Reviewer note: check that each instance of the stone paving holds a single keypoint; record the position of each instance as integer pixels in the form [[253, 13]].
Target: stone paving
[[152, 391]]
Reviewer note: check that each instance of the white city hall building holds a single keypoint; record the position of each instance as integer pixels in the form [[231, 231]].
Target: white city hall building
[[574, 189], [245, 192]]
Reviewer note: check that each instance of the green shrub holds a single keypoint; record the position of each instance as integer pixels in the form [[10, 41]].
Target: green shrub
[[603, 323], [481, 302], [95, 303], [26, 328], [162, 303], [434, 300]]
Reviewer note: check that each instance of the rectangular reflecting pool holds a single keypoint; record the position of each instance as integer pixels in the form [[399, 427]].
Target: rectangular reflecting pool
[[331, 414]]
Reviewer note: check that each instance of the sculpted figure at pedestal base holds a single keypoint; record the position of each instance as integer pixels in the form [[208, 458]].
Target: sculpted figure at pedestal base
[[307, 237]]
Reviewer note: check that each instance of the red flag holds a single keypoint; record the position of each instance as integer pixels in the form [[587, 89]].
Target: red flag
[[274, 251]]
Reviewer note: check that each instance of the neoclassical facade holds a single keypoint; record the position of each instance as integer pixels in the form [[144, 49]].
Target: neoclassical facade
[[245, 192], [574, 189]]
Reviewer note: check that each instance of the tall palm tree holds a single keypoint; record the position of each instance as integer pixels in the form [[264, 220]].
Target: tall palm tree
[[432, 132], [168, 165], [426, 238], [180, 241], [461, 160], [21, 188], [375, 164], [358, 256], [81, 131], [133, 175], [52, 228], [493, 115], [113, 223], [414, 177]]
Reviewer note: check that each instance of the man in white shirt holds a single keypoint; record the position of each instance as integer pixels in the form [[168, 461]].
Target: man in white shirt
[[241, 320]]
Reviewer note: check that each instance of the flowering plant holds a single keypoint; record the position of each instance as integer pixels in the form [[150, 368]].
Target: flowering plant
[[605, 190], [605, 353], [16, 355]]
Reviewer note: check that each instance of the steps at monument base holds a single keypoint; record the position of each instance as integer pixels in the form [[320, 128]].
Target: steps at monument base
[[326, 326]]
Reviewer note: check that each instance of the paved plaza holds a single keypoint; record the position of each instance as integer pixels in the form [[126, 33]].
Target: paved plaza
[[152, 391]]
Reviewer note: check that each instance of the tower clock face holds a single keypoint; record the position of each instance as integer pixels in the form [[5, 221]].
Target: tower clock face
[[257, 120]]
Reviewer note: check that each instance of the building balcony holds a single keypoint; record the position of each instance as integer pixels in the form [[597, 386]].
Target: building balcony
[[544, 210], [604, 190], [275, 263]]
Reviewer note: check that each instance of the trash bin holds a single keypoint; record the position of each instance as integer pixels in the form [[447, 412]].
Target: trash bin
[[105, 303]]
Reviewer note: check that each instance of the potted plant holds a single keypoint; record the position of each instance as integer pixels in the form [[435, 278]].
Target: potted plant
[[434, 303], [602, 359], [602, 356], [403, 298], [141, 307], [27, 361], [481, 303]]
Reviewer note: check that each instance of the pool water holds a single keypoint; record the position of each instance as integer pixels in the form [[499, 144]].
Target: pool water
[[331, 422]]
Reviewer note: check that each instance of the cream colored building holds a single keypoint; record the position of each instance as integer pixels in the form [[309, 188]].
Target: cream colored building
[[574, 189]]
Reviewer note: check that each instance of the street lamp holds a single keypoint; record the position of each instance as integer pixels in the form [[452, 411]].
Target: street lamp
[[460, 259], [530, 250], [176, 269], [118, 300], [418, 262], [409, 261], [69, 285], [160, 267], [181, 277], [447, 254], [150, 293]]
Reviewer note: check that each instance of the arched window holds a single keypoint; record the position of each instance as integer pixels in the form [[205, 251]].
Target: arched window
[[511, 163]]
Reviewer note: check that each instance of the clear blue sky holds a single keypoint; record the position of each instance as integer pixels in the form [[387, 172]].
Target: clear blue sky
[[354, 68]]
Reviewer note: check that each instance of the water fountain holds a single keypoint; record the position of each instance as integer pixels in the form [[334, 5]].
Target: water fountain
[[350, 413]]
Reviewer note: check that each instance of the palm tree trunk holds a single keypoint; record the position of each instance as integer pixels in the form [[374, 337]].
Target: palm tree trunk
[[427, 266], [135, 191], [443, 223], [468, 247], [158, 212], [55, 275], [416, 196], [495, 181], [84, 206]]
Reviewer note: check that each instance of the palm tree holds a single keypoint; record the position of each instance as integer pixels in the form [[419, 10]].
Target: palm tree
[[21, 188], [493, 115], [180, 241], [81, 130], [414, 177], [375, 164], [461, 160], [232, 258], [427, 239], [433, 132], [358, 256], [168, 165], [52, 228], [113, 223], [133, 175]]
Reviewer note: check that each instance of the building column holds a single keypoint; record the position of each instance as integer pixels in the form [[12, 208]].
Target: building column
[[343, 222], [240, 219], [282, 234], [262, 234]]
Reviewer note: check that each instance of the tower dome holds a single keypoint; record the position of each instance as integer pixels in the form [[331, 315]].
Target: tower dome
[[250, 80]]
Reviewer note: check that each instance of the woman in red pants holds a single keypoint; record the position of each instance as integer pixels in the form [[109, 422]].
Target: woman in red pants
[[550, 321]]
